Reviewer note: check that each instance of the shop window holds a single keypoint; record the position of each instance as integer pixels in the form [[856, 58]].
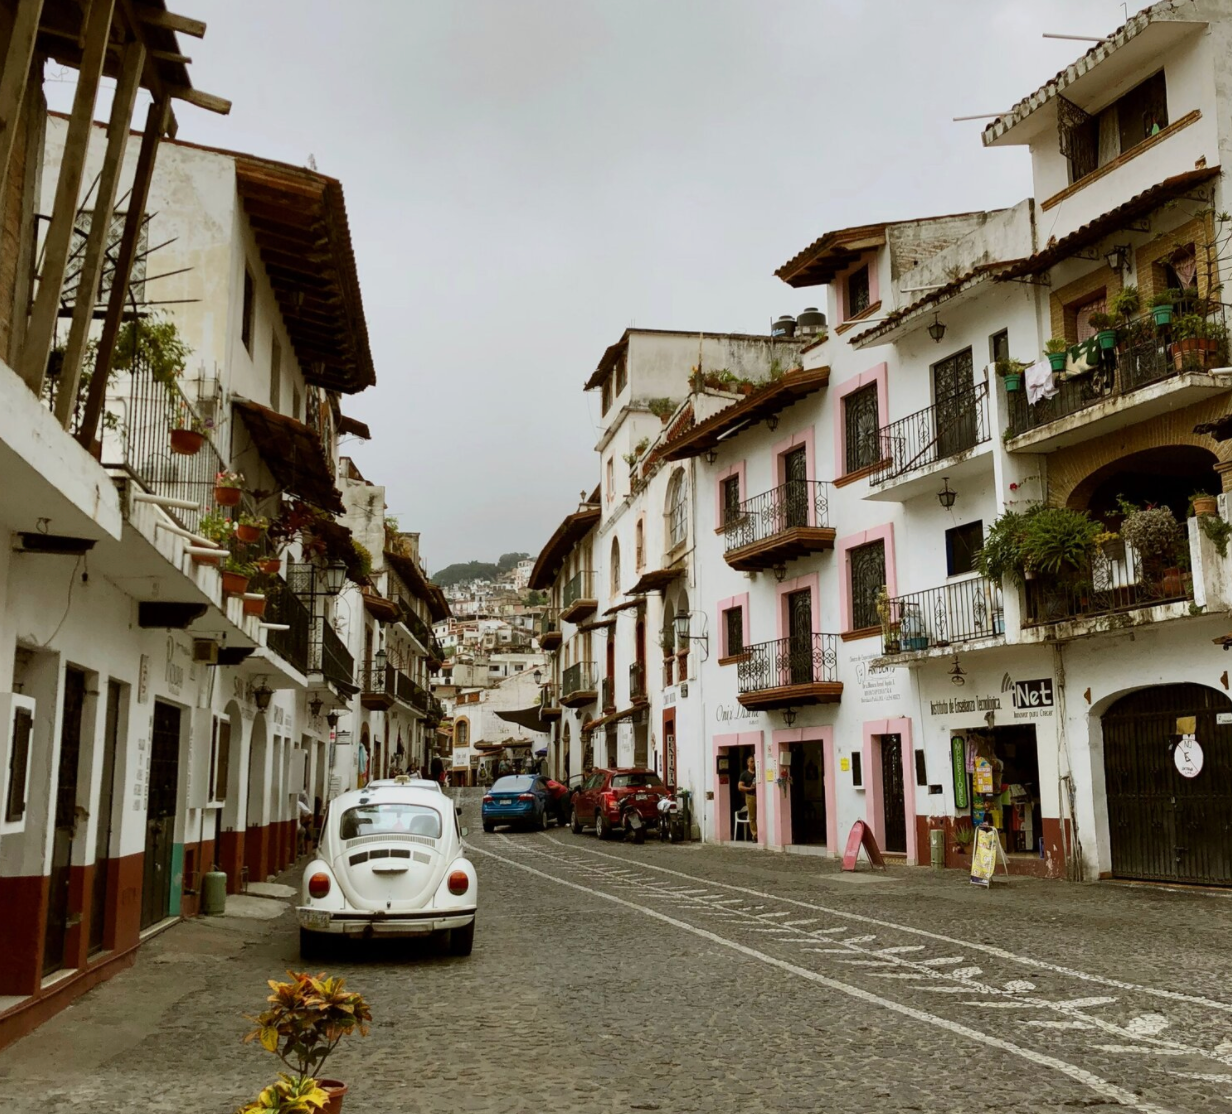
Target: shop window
[[1002, 781], [962, 543], [733, 631], [868, 576], [731, 500], [861, 423], [857, 291], [249, 311]]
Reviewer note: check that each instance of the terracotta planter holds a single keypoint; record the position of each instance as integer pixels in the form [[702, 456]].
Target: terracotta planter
[[271, 566], [186, 442], [234, 583], [255, 607], [335, 1089], [1173, 584], [248, 534], [227, 496], [200, 560], [1194, 352], [1205, 504]]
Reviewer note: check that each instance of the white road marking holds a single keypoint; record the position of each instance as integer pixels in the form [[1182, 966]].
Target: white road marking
[[774, 914], [988, 949], [807, 920], [1019, 986], [1089, 1079], [966, 972], [1042, 1024], [1145, 1049], [944, 961], [1148, 1025], [901, 949], [1205, 1077]]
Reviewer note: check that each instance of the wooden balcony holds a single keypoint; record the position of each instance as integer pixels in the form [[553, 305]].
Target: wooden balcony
[[779, 526], [789, 673]]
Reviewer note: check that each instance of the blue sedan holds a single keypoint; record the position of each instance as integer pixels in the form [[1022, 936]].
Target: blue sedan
[[517, 799]]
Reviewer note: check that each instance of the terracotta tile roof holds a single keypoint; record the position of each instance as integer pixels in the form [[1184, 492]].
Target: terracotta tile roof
[[571, 531], [293, 453]]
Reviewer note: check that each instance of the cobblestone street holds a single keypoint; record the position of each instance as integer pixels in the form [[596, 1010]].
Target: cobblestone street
[[610, 978]]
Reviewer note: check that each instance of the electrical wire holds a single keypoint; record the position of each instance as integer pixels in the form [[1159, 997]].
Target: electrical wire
[[67, 607]]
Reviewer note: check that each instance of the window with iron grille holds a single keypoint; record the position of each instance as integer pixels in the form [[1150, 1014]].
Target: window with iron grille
[[733, 628], [999, 346], [862, 424], [677, 527], [962, 543], [857, 291], [868, 574], [639, 539], [731, 499]]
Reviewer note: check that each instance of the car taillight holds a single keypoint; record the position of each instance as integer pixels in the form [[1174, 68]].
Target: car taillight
[[459, 883], [608, 800], [526, 796], [318, 885], [487, 799]]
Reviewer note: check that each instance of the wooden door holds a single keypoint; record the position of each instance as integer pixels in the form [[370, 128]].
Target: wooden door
[[893, 795], [55, 936], [795, 488], [164, 784], [106, 803], [800, 637]]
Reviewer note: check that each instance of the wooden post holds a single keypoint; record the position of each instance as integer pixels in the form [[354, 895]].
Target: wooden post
[[100, 229], [155, 123], [64, 209], [15, 75]]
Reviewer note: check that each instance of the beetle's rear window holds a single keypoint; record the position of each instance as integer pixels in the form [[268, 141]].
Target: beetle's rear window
[[389, 818]]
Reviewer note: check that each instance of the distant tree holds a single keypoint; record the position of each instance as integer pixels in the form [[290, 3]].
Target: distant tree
[[506, 561], [535, 599]]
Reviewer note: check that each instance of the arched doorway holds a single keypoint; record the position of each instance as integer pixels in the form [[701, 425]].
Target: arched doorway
[[1163, 826], [256, 834], [1162, 477]]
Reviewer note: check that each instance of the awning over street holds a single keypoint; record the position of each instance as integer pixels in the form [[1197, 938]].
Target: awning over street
[[293, 453], [525, 717]]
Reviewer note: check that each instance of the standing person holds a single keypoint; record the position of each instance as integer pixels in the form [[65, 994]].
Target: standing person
[[748, 786]]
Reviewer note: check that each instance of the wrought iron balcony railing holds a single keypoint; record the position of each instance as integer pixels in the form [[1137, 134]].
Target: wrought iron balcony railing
[[327, 654], [581, 586], [1113, 580], [786, 662], [796, 503], [953, 613], [413, 623], [579, 677], [412, 693], [549, 626], [377, 680], [952, 426], [282, 606], [1145, 354], [637, 682]]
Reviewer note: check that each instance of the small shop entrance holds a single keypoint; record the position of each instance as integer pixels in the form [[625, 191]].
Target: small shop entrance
[[160, 814], [731, 762], [893, 795], [1002, 781], [55, 938], [808, 793]]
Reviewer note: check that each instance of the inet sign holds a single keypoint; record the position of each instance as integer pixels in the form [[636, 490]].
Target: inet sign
[[1032, 695]]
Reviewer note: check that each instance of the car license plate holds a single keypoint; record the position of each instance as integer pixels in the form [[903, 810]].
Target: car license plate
[[312, 918]]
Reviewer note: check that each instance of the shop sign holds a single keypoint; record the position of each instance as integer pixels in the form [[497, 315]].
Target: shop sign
[[958, 756], [669, 697], [1032, 695], [174, 672], [984, 857], [878, 683], [957, 707], [143, 680], [726, 713], [1188, 756]]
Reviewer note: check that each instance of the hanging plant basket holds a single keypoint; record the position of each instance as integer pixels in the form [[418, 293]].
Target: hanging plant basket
[[227, 496], [1162, 315], [1106, 338], [248, 534], [234, 583], [1013, 382], [271, 566], [186, 442], [1057, 360], [255, 607]]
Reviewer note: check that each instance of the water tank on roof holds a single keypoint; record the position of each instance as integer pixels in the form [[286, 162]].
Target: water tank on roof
[[785, 326], [811, 321]]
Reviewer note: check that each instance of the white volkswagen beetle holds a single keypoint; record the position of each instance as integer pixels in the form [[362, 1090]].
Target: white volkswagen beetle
[[389, 863]]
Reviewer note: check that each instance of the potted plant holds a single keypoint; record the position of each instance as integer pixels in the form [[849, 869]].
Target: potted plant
[[1104, 325], [187, 430], [1011, 372], [228, 487], [251, 527], [1196, 341], [1126, 302], [1057, 351], [236, 574], [1200, 504], [1001, 554], [288, 1096], [1155, 535], [270, 566], [890, 643], [1161, 307], [964, 836], [1112, 544], [305, 1020], [1056, 542], [216, 528], [1217, 530], [254, 605], [661, 408]]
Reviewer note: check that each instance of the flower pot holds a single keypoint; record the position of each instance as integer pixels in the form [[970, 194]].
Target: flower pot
[[335, 1089], [1194, 352], [234, 583], [227, 496], [1013, 382], [186, 442], [1106, 339], [1173, 584], [199, 559], [271, 566], [1205, 504], [1028, 574], [1162, 315], [255, 607], [891, 646], [248, 534], [916, 642], [1058, 360]]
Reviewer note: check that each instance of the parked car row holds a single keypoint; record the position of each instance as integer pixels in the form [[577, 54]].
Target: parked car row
[[603, 800]]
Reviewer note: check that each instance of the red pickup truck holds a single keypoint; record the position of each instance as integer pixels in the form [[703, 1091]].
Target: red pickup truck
[[597, 802]]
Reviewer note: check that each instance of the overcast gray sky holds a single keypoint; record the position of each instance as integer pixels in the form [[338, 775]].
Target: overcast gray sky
[[526, 178]]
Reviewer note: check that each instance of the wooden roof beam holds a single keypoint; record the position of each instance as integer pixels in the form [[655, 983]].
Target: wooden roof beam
[[186, 25], [207, 101]]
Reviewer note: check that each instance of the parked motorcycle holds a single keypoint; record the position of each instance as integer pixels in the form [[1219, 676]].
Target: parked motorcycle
[[631, 820], [671, 820]]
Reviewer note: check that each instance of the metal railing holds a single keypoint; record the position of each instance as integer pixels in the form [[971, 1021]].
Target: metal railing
[[412, 693], [812, 659], [283, 606], [376, 680], [637, 681], [579, 677], [952, 613], [327, 654], [581, 586], [936, 433], [141, 438], [547, 695], [549, 623], [1145, 354], [795, 503], [413, 623], [1113, 580]]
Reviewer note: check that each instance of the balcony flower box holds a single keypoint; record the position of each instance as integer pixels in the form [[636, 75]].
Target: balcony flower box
[[915, 642], [1194, 353]]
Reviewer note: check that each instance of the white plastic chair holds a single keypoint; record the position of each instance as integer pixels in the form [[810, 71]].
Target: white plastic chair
[[741, 817]]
